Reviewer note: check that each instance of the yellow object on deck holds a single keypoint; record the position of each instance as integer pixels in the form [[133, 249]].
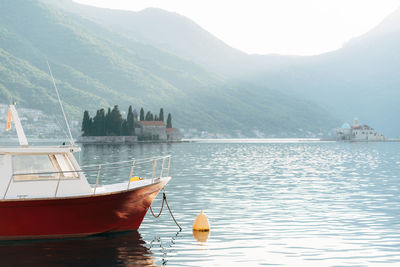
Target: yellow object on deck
[[136, 178], [201, 223], [9, 120]]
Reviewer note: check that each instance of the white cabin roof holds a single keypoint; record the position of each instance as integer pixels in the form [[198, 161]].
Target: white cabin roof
[[39, 149]]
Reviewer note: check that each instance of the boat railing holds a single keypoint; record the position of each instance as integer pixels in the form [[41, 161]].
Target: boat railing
[[138, 170]]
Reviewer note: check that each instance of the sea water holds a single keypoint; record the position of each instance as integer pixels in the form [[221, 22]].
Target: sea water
[[269, 202]]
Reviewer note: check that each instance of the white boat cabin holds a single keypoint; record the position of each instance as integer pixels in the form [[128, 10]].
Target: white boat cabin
[[31, 172], [37, 172]]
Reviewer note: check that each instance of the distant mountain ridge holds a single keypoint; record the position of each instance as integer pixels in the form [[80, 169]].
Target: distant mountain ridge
[[361, 79], [177, 34], [165, 30], [95, 65], [390, 25]]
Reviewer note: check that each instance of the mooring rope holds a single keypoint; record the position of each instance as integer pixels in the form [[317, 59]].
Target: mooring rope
[[170, 211], [172, 215], [162, 206]]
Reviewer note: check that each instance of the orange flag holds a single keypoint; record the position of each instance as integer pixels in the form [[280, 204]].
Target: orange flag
[[9, 120]]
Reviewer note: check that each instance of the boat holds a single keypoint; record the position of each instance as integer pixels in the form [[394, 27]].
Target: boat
[[45, 193]]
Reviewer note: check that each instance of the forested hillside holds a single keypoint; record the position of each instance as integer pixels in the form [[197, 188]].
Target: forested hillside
[[97, 66]]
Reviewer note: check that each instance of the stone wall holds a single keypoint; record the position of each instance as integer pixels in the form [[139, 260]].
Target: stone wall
[[107, 139], [154, 130]]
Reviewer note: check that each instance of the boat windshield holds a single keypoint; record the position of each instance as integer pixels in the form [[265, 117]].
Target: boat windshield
[[42, 167]]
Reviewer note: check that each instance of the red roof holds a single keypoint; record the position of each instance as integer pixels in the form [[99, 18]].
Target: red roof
[[152, 123]]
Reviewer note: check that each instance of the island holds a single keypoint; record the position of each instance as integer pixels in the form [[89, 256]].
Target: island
[[111, 127]]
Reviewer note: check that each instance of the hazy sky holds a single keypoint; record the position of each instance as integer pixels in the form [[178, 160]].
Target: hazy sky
[[298, 27]]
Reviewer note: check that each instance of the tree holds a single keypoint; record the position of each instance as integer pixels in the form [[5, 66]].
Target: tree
[[102, 122], [148, 116], [90, 133], [161, 116], [94, 125], [115, 121], [169, 121], [141, 114], [130, 121], [135, 116], [86, 124], [107, 122], [99, 123], [124, 128]]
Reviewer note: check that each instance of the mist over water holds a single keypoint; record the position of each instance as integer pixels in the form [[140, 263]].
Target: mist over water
[[268, 203]]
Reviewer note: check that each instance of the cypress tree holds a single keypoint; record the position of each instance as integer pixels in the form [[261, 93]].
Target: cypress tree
[[90, 133], [135, 116], [115, 121], [161, 116], [99, 123], [131, 122], [169, 121], [124, 128], [102, 122], [95, 125], [86, 123], [141, 114], [107, 122], [148, 116]]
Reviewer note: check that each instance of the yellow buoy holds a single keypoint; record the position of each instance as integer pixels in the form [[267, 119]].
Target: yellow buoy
[[136, 178], [201, 223]]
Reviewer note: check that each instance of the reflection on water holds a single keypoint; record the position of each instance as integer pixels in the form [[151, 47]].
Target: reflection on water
[[201, 236], [123, 249], [268, 203], [117, 249]]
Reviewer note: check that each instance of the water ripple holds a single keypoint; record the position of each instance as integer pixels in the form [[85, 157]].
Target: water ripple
[[269, 203]]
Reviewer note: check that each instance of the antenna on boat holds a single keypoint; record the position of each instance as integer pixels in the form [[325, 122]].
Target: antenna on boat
[[59, 101], [13, 116]]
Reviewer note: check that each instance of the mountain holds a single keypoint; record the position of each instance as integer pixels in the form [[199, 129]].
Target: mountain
[[97, 66], [178, 35], [165, 30], [361, 79], [389, 26]]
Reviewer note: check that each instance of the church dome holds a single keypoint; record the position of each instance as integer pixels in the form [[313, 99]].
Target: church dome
[[346, 126]]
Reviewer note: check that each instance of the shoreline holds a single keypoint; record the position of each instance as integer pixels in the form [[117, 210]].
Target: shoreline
[[203, 140], [245, 140], [127, 140], [132, 143]]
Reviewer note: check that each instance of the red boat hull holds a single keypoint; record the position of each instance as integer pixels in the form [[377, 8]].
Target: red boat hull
[[76, 216]]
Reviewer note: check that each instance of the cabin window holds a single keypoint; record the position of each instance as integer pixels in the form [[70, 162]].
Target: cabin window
[[66, 166], [42, 167]]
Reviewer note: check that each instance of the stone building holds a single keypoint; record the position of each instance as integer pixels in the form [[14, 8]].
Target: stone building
[[358, 132], [152, 130], [173, 134]]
